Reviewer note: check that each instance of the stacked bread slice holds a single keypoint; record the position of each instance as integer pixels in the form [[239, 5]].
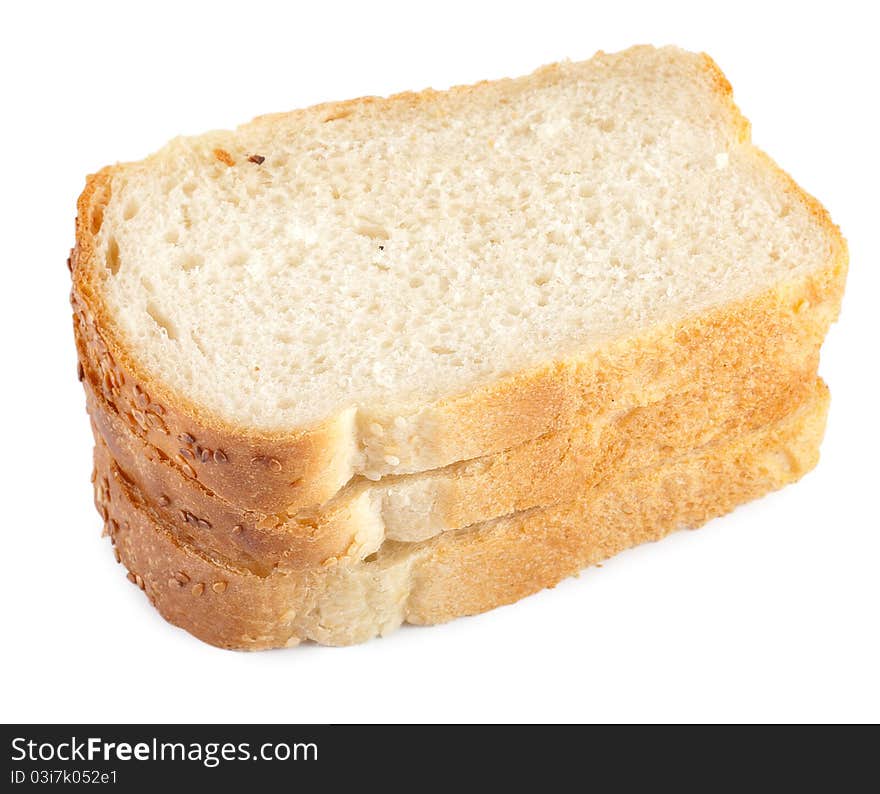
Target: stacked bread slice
[[407, 359]]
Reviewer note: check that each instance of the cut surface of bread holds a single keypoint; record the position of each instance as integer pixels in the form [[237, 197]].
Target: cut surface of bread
[[457, 573], [388, 286], [414, 507]]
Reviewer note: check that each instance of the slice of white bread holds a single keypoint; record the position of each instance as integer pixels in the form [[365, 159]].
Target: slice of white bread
[[542, 471], [456, 573], [392, 285]]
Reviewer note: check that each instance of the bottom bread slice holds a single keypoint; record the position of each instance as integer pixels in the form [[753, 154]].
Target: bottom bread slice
[[462, 572]]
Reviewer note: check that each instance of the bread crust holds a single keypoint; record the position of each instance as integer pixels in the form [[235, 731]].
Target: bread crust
[[295, 468], [457, 573], [540, 472]]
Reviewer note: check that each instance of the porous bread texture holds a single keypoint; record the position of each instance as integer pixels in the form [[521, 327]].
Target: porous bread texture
[[414, 507], [457, 573], [389, 253], [408, 282]]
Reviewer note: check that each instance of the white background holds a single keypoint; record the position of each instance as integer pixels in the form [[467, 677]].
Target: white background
[[768, 614]]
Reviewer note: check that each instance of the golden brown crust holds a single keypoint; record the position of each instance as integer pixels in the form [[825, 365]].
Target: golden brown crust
[[255, 541], [472, 572], [554, 468], [457, 573], [539, 472], [300, 468]]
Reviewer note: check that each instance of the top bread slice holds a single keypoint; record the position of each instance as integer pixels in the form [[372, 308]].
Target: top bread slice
[[388, 286]]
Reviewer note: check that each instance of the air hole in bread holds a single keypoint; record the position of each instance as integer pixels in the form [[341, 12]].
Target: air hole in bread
[[200, 346], [131, 209], [161, 320], [238, 259], [97, 218], [191, 260], [372, 230], [112, 255]]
